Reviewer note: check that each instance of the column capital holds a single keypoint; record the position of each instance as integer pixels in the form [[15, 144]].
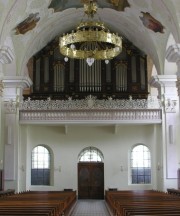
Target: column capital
[[17, 81], [173, 53], [12, 83], [167, 90], [6, 55], [159, 81]]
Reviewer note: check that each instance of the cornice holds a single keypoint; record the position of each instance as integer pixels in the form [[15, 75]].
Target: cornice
[[16, 82], [163, 81]]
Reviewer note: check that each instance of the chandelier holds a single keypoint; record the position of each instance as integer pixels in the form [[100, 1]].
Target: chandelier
[[91, 40]]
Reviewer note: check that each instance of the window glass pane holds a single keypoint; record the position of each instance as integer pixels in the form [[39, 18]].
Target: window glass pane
[[134, 179], [40, 157], [91, 154], [147, 179], [140, 165], [140, 179], [134, 171], [140, 171], [40, 171]]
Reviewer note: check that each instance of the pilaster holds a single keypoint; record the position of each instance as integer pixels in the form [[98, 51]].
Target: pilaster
[[6, 57], [1, 128], [166, 85], [13, 89]]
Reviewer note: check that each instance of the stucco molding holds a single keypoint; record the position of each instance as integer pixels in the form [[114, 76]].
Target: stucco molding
[[88, 110], [1, 88], [90, 103], [152, 116], [16, 82], [159, 81], [6, 55], [173, 53]]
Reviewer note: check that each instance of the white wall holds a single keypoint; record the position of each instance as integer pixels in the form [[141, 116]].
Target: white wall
[[115, 144]]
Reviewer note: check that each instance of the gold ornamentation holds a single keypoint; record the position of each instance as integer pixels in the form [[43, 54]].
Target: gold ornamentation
[[91, 40], [90, 9]]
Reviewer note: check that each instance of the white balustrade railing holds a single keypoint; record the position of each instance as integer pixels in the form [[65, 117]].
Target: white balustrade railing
[[89, 102], [87, 110]]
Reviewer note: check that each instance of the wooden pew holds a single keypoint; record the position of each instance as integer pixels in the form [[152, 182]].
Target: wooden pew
[[144, 202], [47, 203], [7, 192], [173, 191]]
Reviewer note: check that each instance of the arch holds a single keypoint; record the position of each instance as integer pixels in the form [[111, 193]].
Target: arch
[[90, 154], [41, 162], [140, 162]]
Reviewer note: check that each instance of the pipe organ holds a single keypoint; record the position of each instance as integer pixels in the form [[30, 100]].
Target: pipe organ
[[124, 76], [89, 77], [121, 77], [59, 73]]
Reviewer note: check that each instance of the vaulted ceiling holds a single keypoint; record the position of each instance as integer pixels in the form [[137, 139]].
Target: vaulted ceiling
[[28, 25]]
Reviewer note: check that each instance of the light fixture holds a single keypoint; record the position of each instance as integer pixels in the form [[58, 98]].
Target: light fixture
[[91, 40]]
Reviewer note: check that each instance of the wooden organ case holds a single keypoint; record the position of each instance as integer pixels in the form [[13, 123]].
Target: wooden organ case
[[124, 76]]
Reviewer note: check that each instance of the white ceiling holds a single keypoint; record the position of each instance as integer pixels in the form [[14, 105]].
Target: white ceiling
[[52, 24]]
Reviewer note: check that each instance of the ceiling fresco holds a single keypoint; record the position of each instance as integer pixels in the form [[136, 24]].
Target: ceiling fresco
[[30, 22], [151, 23], [120, 5], [60, 5], [29, 25]]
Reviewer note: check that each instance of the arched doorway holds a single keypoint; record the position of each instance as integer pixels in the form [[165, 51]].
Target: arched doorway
[[91, 174]]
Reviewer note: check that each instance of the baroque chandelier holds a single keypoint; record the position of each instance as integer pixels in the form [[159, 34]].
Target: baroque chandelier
[[91, 40]]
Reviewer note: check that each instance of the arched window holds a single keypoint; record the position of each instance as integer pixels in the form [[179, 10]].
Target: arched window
[[140, 165], [40, 166], [91, 154]]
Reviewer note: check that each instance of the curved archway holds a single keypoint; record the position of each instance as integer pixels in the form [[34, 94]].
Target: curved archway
[[90, 154]]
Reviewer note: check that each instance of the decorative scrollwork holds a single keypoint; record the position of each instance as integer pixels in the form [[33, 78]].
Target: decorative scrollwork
[[89, 102], [170, 105]]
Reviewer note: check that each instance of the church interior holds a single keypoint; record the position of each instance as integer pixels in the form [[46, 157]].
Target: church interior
[[89, 96]]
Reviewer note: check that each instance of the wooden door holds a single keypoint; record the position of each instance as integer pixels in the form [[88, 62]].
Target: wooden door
[[90, 180]]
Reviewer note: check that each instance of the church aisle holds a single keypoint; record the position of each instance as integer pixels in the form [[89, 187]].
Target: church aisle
[[90, 208]]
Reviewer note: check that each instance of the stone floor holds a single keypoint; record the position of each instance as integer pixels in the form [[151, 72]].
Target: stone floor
[[90, 208]]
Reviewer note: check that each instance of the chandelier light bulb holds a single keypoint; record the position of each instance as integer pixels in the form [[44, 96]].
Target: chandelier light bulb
[[117, 49], [72, 46], [107, 61], [66, 59], [90, 61]]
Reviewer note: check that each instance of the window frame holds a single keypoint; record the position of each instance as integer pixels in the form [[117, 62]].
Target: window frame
[[91, 149], [41, 175], [146, 171]]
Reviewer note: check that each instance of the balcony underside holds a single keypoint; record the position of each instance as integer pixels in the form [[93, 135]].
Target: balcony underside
[[105, 117]]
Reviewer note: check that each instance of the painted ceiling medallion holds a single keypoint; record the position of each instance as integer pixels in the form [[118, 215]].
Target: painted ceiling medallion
[[28, 24], [120, 5], [58, 5], [151, 23]]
